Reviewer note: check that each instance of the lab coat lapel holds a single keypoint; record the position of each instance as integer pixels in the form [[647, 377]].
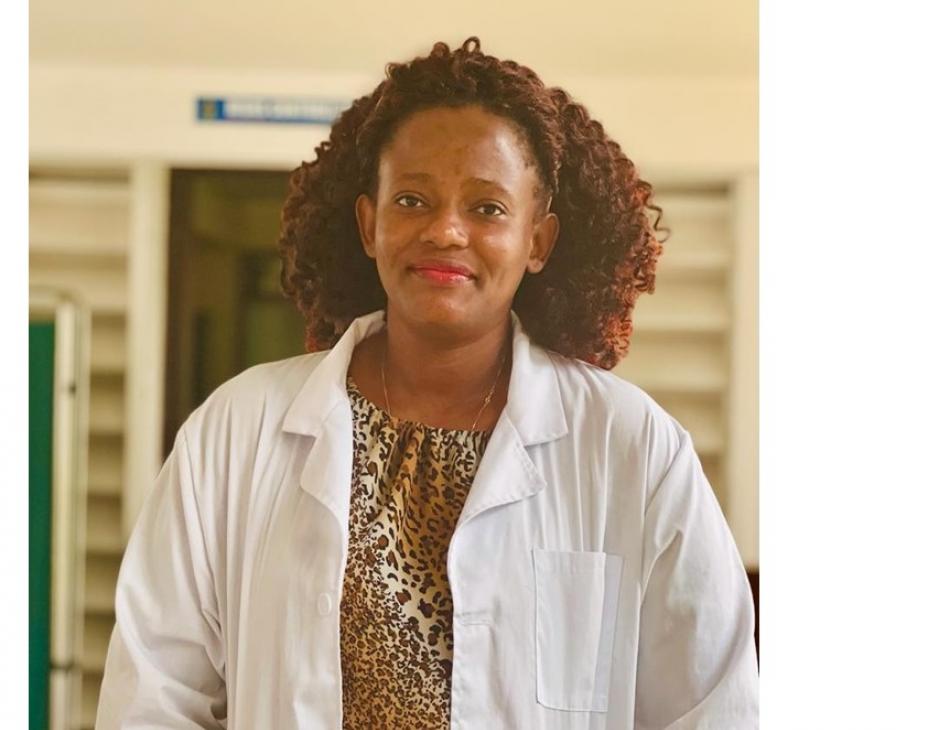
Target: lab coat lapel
[[534, 414], [506, 474], [326, 474], [322, 411]]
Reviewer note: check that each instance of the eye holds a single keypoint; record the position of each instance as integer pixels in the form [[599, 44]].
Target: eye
[[408, 201], [493, 210]]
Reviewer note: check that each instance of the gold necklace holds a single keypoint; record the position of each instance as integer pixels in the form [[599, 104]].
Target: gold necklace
[[486, 401]]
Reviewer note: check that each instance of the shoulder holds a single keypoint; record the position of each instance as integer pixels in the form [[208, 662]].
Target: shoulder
[[601, 406], [256, 398], [596, 391]]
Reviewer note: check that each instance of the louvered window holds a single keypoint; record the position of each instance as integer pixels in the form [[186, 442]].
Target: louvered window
[[681, 343], [79, 227]]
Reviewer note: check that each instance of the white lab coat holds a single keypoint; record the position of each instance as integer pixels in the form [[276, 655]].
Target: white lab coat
[[594, 579]]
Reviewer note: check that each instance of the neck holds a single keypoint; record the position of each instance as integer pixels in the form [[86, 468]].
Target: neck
[[450, 376]]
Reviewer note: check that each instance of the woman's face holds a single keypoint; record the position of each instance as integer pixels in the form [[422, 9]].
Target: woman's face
[[457, 219]]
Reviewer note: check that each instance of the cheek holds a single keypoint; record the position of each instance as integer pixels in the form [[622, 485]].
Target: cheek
[[508, 254], [389, 232], [394, 222], [520, 241]]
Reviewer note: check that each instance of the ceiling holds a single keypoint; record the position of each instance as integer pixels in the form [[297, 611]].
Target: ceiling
[[582, 37]]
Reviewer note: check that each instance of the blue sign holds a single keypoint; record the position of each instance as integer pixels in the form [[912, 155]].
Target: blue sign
[[268, 110]]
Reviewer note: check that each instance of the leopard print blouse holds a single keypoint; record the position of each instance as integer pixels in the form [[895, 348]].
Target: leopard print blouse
[[409, 482]]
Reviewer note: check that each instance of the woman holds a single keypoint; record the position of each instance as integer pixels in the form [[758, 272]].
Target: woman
[[451, 513]]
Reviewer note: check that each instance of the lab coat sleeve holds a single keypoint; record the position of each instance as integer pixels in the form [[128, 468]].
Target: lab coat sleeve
[[166, 660], [697, 662]]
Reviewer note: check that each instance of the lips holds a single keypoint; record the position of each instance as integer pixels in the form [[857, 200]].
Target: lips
[[443, 277], [442, 269]]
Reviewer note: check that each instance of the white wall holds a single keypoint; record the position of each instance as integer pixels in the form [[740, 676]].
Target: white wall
[[671, 126]]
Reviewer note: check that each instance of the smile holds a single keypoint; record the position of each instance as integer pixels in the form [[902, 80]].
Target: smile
[[442, 276]]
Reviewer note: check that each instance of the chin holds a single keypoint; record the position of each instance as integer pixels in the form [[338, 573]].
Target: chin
[[439, 313], [445, 316]]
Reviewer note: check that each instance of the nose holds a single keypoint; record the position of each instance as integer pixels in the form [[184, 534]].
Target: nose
[[445, 228]]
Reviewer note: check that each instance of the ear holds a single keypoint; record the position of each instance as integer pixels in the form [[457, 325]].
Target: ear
[[365, 212], [544, 237]]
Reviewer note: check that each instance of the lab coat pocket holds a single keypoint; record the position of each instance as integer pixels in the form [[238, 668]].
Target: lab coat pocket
[[576, 605]]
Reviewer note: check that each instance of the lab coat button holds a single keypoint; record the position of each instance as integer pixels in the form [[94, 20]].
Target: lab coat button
[[324, 604]]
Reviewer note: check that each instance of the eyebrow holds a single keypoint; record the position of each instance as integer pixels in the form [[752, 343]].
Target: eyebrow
[[424, 177], [416, 176]]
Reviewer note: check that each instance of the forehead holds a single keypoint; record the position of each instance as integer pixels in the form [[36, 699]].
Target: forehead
[[459, 142]]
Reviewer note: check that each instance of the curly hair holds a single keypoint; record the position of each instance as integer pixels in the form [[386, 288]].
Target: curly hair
[[580, 305]]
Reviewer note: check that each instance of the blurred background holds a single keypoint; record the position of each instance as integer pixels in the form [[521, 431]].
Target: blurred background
[[161, 136]]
